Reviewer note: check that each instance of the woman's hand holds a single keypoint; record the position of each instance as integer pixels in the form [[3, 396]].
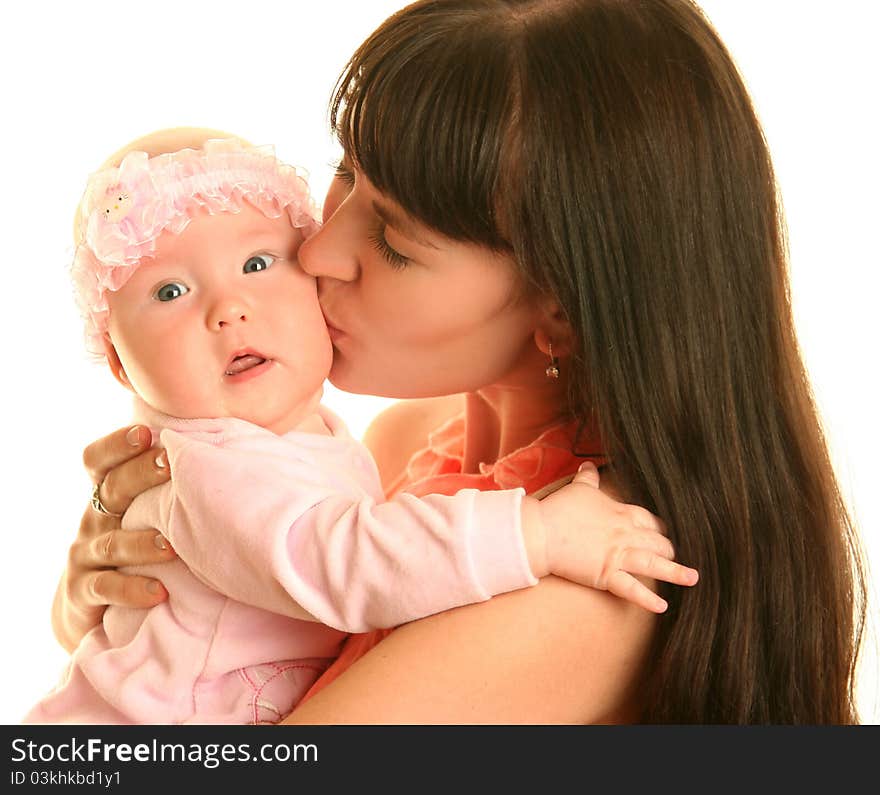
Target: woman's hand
[[124, 465]]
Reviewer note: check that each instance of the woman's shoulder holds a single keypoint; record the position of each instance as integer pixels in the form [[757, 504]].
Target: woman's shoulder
[[403, 429], [582, 652], [554, 653]]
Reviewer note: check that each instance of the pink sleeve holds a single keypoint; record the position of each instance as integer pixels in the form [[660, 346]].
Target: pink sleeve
[[293, 534]]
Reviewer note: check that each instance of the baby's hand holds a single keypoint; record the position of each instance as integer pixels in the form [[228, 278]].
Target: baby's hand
[[594, 540]]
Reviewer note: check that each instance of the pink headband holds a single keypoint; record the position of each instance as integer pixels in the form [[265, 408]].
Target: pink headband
[[125, 209]]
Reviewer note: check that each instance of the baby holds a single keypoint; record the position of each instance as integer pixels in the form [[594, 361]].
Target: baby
[[186, 270]]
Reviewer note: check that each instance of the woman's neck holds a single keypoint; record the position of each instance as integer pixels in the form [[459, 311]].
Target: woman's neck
[[499, 420]]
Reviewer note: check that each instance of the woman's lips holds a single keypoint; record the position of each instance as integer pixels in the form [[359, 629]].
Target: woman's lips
[[334, 333], [333, 330]]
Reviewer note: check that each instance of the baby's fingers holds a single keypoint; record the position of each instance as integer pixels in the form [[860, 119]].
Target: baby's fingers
[[650, 541], [649, 564], [643, 518], [588, 474], [628, 587]]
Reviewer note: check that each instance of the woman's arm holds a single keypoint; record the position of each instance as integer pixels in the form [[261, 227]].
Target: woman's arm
[[124, 465], [556, 653]]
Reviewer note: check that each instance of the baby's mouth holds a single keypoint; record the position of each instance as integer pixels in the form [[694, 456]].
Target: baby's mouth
[[242, 362]]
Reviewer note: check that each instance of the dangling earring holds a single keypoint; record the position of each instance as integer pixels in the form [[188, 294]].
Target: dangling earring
[[552, 371]]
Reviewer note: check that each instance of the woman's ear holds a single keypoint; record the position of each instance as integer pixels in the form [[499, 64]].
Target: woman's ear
[[114, 363], [554, 329]]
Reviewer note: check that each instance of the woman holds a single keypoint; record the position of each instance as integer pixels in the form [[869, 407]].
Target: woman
[[579, 186]]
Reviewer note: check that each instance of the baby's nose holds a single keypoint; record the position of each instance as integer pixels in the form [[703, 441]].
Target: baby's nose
[[227, 311]]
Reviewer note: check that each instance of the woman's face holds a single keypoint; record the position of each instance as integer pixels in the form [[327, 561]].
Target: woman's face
[[410, 312]]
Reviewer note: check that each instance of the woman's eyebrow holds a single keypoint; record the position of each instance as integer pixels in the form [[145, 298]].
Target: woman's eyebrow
[[402, 223]]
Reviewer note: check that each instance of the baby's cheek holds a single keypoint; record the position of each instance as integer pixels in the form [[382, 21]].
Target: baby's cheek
[[302, 297]]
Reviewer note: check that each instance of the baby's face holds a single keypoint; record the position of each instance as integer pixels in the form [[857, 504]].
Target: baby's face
[[224, 323]]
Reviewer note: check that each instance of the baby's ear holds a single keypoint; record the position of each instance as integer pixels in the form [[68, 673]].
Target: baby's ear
[[113, 362]]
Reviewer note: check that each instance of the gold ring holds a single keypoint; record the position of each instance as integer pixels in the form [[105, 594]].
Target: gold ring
[[99, 506]]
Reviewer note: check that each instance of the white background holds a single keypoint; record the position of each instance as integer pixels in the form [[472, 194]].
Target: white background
[[81, 79]]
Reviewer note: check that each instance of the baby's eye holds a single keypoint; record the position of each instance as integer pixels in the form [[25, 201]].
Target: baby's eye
[[259, 262], [170, 290]]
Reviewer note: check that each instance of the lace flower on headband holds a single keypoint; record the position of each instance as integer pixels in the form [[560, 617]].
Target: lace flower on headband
[[125, 209]]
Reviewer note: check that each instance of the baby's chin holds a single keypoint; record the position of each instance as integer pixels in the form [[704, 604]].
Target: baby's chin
[[276, 407]]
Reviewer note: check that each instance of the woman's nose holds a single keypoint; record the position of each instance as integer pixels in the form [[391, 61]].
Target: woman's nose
[[332, 251], [228, 311]]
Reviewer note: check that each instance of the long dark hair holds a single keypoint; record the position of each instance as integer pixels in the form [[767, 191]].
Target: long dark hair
[[611, 147]]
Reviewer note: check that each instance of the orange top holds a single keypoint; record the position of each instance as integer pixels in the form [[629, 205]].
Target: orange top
[[436, 469]]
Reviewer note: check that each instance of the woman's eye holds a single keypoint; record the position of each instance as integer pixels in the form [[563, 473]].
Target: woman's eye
[[258, 262], [394, 258], [170, 291]]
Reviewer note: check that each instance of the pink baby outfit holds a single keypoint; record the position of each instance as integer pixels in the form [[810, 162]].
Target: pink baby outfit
[[272, 531]]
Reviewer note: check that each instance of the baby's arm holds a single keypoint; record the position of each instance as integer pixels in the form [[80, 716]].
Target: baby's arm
[[285, 535]]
